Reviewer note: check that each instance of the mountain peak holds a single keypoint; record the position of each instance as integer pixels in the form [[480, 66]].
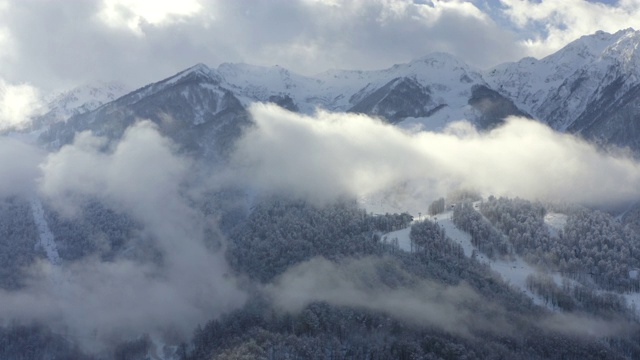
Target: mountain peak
[[625, 31], [597, 44], [586, 47], [198, 68], [625, 51]]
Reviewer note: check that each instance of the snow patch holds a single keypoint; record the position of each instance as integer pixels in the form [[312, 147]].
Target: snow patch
[[399, 236], [159, 350], [633, 302], [555, 223]]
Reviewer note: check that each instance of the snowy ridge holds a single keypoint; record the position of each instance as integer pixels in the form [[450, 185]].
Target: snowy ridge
[[445, 85], [449, 80], [259, 83], [559, 87], [47, 240], [198, 71], [625, 51]]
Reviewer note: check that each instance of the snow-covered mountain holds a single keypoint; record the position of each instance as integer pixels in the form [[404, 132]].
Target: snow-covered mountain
[[435, 89], [591, 87], [203, 109], [192, 107]]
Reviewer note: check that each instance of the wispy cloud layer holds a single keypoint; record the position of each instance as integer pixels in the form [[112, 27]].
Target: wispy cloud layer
[[456, 309], [95, 301], [18, 102], [18, 166], [335, 154]]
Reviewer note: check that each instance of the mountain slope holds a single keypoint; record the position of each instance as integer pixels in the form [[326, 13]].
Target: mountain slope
[[589, 87], [191, 107], [398, 99]]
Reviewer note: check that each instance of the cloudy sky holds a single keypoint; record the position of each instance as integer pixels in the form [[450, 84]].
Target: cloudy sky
[[50, 45]]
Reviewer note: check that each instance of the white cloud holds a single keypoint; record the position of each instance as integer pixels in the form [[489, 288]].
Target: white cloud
[[131, 13], [17, 104], [335, 154], [377, 34], [359, 284], [141, 171], [18, 166], [116, 300], [59, 44]]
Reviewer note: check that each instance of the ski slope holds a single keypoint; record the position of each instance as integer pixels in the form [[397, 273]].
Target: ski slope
[[404, 243], [513, 272], [47, 240]]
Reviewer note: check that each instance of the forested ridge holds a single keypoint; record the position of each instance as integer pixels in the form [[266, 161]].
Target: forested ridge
[[593, 246]]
